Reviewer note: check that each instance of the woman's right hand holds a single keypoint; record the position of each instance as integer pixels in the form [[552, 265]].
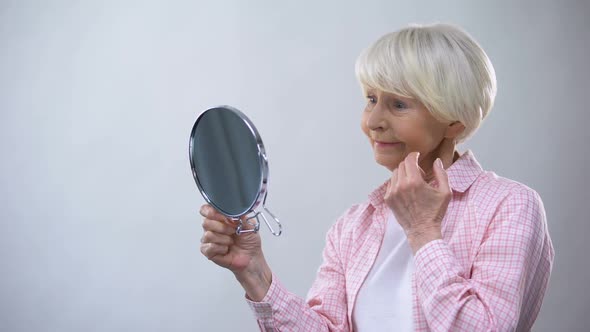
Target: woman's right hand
[[241, 254], [221, 245]]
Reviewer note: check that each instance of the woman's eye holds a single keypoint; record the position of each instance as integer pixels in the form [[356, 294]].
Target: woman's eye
[[371, 100], [399, 105]]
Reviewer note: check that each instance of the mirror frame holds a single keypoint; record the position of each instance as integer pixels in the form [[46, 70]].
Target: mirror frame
[[262, 162]]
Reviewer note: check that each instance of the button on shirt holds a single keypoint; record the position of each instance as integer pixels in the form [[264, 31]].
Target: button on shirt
[[489, 272]]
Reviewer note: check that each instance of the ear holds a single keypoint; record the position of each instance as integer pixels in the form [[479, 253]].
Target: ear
[[454, 129]]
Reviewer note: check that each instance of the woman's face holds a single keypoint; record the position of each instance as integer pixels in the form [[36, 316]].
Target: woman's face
[[397, 126]]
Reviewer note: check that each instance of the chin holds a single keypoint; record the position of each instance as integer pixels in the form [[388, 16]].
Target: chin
[[390, 163]]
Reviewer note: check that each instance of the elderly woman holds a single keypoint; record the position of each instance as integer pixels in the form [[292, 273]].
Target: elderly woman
[[442, 245]]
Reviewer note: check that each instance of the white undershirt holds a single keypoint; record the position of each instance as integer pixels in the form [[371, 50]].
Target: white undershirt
[[384, 302]]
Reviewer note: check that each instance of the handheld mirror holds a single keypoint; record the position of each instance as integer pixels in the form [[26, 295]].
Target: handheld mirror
[[230, 167]]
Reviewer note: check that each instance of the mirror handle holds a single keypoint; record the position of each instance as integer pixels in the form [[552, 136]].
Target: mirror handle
[[276, 220], [240, 229]]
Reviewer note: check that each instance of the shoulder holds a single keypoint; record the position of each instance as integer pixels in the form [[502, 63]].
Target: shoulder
[[491, 187], [356, 220], [507, 201], [470, 177], [353, 216]]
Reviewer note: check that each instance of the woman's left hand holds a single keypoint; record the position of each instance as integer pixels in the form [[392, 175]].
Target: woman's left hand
[[419, 207]]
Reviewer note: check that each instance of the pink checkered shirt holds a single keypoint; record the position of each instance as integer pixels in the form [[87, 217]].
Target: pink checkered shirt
[[488, 273]]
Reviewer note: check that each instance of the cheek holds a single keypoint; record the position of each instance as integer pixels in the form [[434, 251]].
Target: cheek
[[418, 136], [364, 126]]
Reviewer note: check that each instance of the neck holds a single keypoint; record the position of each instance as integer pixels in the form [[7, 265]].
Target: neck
[[446, 152]]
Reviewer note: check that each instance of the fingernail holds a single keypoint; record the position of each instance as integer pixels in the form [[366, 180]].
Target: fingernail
[[439, 162], [417, 156]]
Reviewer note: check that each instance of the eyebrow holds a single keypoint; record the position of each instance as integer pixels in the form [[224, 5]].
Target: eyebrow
[[402, 98]]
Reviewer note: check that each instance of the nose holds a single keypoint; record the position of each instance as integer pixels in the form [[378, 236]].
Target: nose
[[376, 118]]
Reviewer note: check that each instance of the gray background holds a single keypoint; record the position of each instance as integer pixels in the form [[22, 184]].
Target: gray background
[[99, 224]]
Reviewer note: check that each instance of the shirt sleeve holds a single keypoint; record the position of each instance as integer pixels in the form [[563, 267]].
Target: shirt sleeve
[[325, 308], [504, 289]]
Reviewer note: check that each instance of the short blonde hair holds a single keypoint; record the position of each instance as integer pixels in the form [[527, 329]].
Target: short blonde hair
[[440, 65]]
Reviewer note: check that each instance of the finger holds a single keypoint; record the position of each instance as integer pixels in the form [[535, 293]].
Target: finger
[[210, 212], [204, 210], [392, 184], [218, 226], [401, 173], [441, 176], [211, 250], [411, 167], [218, 238]]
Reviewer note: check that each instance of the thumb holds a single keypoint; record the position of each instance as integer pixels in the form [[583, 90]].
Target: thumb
[[441, 176]]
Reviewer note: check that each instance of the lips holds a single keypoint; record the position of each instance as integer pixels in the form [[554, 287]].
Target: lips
[[386, 146], [386, 143]]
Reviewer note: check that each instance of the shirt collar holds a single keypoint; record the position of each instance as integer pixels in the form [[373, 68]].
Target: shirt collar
[[462, 174]]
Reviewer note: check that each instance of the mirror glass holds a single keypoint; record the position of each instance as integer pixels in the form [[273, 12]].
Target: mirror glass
[[227, 160]]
